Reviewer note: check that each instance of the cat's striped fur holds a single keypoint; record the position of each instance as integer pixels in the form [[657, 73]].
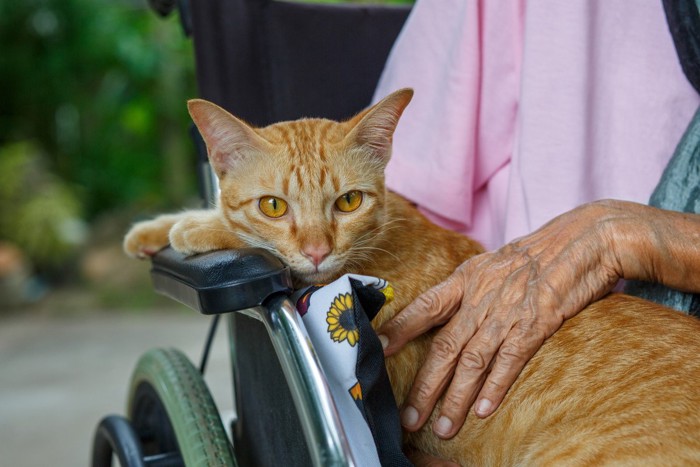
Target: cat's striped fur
[[619, 384]]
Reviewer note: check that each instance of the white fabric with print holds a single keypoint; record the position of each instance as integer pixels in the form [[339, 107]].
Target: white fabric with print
[[328, 316]]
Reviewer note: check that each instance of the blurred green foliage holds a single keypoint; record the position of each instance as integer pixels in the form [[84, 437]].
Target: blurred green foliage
[[38, 211], [99, 87]]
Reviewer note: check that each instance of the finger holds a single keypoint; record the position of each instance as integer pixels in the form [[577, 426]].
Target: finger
[[436, 372], [470, 373], [432, 308], [517, 349], [479, 352]]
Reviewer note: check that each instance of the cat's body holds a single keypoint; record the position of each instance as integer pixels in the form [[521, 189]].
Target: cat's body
[[618, 384]]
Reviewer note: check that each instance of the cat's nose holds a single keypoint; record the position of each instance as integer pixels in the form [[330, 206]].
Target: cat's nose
[[316, 252]]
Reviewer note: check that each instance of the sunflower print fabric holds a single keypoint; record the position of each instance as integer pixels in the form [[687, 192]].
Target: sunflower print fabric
[[328, 314], [341, 323]]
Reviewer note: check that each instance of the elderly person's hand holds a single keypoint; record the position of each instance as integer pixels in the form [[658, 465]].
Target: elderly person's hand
[[499, 307]]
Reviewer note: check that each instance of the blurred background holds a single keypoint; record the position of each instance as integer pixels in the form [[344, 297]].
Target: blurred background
[[93, 136]]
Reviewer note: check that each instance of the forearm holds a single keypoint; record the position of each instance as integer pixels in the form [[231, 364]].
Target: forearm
[[656, 245]]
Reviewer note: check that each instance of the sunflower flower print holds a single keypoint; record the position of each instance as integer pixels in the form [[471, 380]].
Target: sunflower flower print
[[341, 323]]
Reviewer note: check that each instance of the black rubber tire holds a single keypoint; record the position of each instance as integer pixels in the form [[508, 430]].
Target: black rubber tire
[[173, 413], [115, 435]]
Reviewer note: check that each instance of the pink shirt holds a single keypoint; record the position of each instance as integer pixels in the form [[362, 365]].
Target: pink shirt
[[524, 110]]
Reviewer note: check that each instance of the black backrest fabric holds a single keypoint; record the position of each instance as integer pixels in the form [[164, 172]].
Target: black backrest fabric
[[267, 61]]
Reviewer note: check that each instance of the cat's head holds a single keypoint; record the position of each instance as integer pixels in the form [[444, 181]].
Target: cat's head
[[310, 191]]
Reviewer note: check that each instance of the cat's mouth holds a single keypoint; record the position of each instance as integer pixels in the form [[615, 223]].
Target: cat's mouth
[[314, 275], [314, 279]]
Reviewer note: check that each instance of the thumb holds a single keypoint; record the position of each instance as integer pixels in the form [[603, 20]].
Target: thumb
[[432, 308]]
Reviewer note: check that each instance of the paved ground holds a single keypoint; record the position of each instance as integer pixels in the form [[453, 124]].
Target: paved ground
[[60, 374]]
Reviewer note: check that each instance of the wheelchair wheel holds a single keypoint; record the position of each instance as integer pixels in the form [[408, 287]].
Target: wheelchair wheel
[[173, 413]]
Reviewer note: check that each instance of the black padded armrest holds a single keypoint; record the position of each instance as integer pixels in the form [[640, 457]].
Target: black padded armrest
[[219, 281]]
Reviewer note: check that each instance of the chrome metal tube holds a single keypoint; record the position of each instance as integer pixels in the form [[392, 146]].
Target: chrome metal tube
[[209, 183], [319, 418]]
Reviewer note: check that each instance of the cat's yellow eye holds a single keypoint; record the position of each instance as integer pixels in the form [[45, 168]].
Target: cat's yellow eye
[[349, 201], [272, 206]]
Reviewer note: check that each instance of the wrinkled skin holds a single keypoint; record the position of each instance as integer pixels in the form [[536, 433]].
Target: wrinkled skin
[[499, 307]]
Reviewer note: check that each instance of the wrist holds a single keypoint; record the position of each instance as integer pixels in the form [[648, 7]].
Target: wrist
[[656, 245], [627, 239]]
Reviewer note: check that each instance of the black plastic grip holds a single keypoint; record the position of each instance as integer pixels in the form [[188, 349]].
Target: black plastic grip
[[220, 281]]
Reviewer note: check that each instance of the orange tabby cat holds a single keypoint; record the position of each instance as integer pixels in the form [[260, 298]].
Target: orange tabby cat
[[618, 384]]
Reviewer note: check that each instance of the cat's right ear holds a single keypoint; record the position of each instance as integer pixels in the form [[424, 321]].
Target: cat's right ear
[[229, 140]]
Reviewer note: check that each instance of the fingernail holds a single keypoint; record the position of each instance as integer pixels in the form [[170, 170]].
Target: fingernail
[[443, 426], [409, 417], [384, 340], [483, 407]]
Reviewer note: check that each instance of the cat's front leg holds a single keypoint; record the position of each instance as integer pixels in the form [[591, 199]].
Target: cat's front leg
[[202, 231], [146, 238]]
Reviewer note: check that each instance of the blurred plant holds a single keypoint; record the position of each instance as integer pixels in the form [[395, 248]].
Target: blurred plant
[[38, 212], [99, 85]]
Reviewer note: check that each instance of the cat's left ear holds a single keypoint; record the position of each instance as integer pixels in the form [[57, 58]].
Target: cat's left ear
[[229, 140], [373, 128]]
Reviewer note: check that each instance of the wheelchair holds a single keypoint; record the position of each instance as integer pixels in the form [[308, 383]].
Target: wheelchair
[[265, 61]]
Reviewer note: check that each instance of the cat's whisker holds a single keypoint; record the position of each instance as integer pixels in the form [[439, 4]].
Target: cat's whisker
[[375, 229], [255, 242], [368, 250], [371, 237], [383, 228], [220, 230], [355, 263]]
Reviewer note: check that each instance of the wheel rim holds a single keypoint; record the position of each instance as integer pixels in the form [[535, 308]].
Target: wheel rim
[[152, 425]]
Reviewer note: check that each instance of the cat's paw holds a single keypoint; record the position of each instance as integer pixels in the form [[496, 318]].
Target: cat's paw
[[146, 238], [201, 232], [183, 237]]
